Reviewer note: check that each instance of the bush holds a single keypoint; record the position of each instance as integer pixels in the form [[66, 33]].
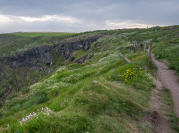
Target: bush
[[40, 97]]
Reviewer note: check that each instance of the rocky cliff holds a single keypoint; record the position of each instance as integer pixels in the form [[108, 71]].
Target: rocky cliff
[[17, 72]]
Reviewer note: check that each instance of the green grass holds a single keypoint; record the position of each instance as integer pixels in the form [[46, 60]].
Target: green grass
[[78, 54], [169, 52], [166, 42], [42, 34], [85, 98], [168, 107]]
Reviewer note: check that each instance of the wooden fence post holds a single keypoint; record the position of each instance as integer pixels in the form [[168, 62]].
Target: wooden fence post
[[124, 58], [145, 46], [150, 50]]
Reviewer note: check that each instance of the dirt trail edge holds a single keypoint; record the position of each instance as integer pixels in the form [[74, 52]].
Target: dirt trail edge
[[157, 118], [165, 78], [169, 80]]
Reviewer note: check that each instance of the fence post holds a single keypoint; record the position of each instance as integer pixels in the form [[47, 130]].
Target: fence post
[[144, 46], [124, 58], [150, 50]]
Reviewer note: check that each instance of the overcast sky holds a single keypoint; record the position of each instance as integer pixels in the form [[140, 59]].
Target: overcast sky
[[85, 15]]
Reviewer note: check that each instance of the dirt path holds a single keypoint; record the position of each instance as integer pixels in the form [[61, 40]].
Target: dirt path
[[157, 118], [165, 78], [169, 80]]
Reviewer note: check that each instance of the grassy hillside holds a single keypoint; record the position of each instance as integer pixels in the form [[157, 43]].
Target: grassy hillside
[[166, 43], [103, 95]]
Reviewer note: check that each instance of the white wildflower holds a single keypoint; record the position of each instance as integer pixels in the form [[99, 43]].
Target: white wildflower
[[34, 115]]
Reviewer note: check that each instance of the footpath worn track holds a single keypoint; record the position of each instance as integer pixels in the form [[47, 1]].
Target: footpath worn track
[[165, 78], [169, 80]]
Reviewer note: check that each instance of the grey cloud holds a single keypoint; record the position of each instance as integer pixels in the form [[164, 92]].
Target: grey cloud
[[94, 13]]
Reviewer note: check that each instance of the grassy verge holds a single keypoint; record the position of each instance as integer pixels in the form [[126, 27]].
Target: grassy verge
[[167, 106], [168, 52]]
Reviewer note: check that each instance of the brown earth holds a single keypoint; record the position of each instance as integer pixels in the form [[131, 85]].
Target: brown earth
[[165, 78], [157, 118]]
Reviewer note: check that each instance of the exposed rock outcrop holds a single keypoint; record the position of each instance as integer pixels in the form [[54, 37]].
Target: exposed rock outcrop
[[82, 59], [30, 58]]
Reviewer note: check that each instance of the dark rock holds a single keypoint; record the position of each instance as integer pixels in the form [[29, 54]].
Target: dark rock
[[82, 59], [72, 59]]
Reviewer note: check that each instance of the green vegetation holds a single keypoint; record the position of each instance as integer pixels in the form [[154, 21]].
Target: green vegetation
[[103, 95], [166, 43], [79, 53], [42, 34], [168, 51], [168, 108], [86, 98]]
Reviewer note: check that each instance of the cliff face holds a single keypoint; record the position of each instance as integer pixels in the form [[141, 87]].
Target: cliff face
[[20, 70], [68, 47], [29, 58]]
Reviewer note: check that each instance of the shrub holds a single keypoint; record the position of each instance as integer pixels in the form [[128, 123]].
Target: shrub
[[40, 97]]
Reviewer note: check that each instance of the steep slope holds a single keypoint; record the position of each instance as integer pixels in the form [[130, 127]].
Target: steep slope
[[94, 91], [29, 66]]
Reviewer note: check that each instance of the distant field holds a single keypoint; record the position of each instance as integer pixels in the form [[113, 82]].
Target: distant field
[[42, 34]]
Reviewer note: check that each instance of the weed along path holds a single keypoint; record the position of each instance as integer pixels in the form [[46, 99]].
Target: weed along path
[[169, 80]]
